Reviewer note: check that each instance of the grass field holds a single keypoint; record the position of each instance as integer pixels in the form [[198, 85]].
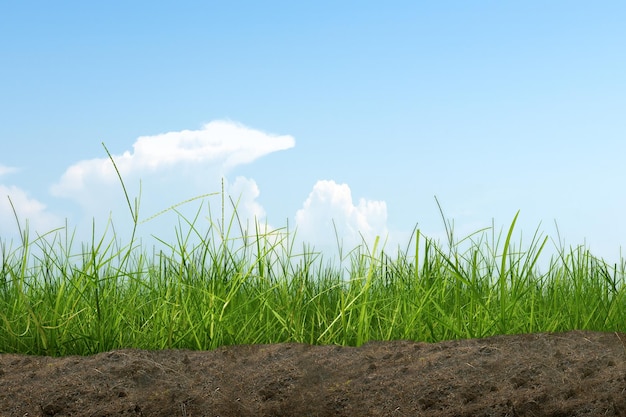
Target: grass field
[[258, 288], [212, 288]]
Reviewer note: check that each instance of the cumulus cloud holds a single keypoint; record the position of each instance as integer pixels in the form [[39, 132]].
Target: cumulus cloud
[[245, 191], [219, 144], [328, 202], [6, 170], [251, 217], [27, 209], [226, 143], [167, 169]]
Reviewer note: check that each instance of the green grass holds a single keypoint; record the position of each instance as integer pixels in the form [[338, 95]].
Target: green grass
[[209, 289], [258, 289]]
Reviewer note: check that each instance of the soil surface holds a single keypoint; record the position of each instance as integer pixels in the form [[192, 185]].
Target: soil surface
[[561, 374]]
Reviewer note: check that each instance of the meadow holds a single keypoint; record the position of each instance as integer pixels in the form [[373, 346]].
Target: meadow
[[258, 288], [209, 289]]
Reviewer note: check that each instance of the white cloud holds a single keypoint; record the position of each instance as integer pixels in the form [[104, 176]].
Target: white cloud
[[251, 217], [39, 218], [328, 202], [172, 168], [225, 143], [244, 192], [221, 145], [6, 170]]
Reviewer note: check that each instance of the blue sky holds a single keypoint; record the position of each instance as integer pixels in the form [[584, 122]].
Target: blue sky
[[360, 112]]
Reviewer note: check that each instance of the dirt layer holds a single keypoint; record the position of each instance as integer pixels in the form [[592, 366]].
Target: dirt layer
[[561, 374]]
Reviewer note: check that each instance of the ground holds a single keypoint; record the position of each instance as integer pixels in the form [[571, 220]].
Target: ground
[[562, 374]]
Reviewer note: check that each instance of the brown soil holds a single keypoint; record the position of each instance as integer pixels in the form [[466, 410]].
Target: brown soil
[[563, 374]]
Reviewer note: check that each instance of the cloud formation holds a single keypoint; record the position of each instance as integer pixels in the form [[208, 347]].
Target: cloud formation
[[328, 202], [175, 167], [221, 145], [244, 192], [6, 170], [167, 169], [27, 209]]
